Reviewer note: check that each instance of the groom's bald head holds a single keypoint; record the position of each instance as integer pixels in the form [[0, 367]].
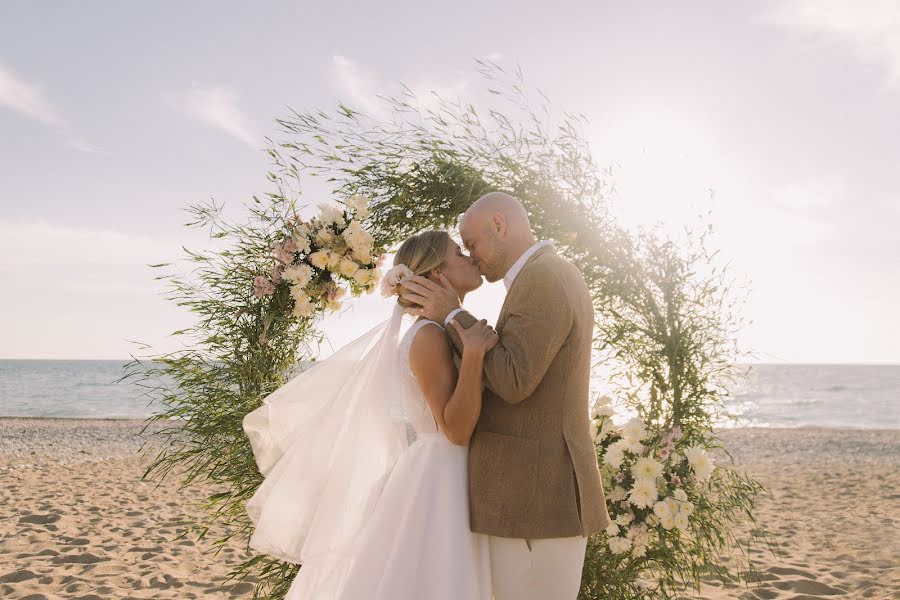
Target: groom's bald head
[[496, 231], [499, 203]]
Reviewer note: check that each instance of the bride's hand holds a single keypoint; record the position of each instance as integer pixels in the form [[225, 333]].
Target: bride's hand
[[480, 336]]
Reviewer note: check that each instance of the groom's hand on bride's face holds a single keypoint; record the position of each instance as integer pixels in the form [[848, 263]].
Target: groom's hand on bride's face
[[436, 299]]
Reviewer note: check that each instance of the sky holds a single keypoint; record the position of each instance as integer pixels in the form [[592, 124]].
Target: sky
[[781, 118]]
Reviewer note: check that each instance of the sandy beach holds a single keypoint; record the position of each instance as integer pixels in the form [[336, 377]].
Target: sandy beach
[[77, 522]]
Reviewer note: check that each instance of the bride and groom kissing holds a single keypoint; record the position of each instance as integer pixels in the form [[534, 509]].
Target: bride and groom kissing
[[496, 495]]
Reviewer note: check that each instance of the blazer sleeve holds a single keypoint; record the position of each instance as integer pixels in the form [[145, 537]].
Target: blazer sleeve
[[538, 320]]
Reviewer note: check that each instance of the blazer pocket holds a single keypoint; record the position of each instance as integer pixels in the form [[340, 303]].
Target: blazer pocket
[[503, 473]]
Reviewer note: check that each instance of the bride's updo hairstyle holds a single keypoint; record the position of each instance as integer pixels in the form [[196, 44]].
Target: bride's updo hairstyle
[[421, 253]]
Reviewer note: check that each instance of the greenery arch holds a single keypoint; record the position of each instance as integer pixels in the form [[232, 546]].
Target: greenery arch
[[666, 314]]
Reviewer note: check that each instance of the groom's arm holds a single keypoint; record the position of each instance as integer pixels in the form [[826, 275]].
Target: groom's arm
[[539, 319]]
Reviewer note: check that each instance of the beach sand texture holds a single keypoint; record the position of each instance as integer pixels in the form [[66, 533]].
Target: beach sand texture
[[77, 522]]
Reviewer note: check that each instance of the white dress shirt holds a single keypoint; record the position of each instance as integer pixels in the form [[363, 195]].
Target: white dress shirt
[[511, 274]]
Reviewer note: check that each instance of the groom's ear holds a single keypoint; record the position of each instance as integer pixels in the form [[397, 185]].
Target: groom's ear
[[499, 224]]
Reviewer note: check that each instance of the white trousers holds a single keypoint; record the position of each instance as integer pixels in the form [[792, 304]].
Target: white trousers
[[550, 570]]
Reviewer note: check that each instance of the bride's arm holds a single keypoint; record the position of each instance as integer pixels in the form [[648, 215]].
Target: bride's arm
[[454, 397]]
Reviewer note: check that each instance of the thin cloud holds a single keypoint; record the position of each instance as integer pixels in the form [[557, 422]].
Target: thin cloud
[[39, 244], [27, 100], [217, 106], [870, 29], [362, 87], [427, 90], [359, 83]]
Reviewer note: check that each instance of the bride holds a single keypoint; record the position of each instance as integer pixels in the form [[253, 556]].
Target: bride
[[366, 513]]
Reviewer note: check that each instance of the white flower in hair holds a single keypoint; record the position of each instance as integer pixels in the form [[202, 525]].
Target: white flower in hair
[[395, 275]]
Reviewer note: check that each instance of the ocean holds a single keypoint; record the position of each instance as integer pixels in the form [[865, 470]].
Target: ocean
[[774, 395]]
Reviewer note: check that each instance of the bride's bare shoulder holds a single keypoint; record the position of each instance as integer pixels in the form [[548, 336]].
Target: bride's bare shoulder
[[429, 345]]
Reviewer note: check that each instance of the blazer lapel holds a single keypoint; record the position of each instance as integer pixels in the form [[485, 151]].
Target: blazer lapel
[[502, 317]]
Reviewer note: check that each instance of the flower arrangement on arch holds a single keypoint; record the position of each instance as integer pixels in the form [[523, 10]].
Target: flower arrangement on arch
[[654, 482], [315, 257]]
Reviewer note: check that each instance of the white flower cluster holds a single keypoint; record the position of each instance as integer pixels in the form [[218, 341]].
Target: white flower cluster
[[636, 539], [316, 254], [645, 478], [674, 511]]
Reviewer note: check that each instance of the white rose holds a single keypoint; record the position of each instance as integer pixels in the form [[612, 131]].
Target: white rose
[[603, 410], [615, 454], [319, 258], [329, 214], [624, 519], [619, 545], [358, 239], [617, 493], [302, 306], [359, 204], [700, 462], [299, 275], [324, 237], [668, 522], [663, 509], [334, 259], [348, 267], [605, 429], [361, 276], [302, 241], [633, 446], [298, 293], [634, 430]]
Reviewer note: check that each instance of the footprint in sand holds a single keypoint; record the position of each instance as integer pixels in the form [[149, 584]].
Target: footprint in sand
[[82, 559], [809, 587], [40, 519], [17, 576]]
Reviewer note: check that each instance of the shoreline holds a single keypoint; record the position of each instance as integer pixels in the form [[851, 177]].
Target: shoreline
[[719, 430]]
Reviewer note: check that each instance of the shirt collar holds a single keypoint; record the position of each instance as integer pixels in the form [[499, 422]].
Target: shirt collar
[[520, 262]]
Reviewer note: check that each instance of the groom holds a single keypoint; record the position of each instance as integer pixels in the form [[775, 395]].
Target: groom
[[534, 483]]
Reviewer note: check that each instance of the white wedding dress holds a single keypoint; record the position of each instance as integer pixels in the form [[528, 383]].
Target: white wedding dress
[[415, 542]]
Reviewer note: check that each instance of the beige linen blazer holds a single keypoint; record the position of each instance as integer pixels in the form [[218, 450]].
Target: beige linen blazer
[[533, 469]]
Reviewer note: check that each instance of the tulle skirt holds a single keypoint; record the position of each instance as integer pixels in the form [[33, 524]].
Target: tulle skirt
[[417, 545]]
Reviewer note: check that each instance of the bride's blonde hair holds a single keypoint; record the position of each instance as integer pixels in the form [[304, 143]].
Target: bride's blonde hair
[[421, 253]]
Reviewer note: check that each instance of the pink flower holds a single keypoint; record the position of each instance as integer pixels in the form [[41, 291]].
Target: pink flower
[[664, 452], [284, 251], [262, 286], [676, 480], [276, 273]]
